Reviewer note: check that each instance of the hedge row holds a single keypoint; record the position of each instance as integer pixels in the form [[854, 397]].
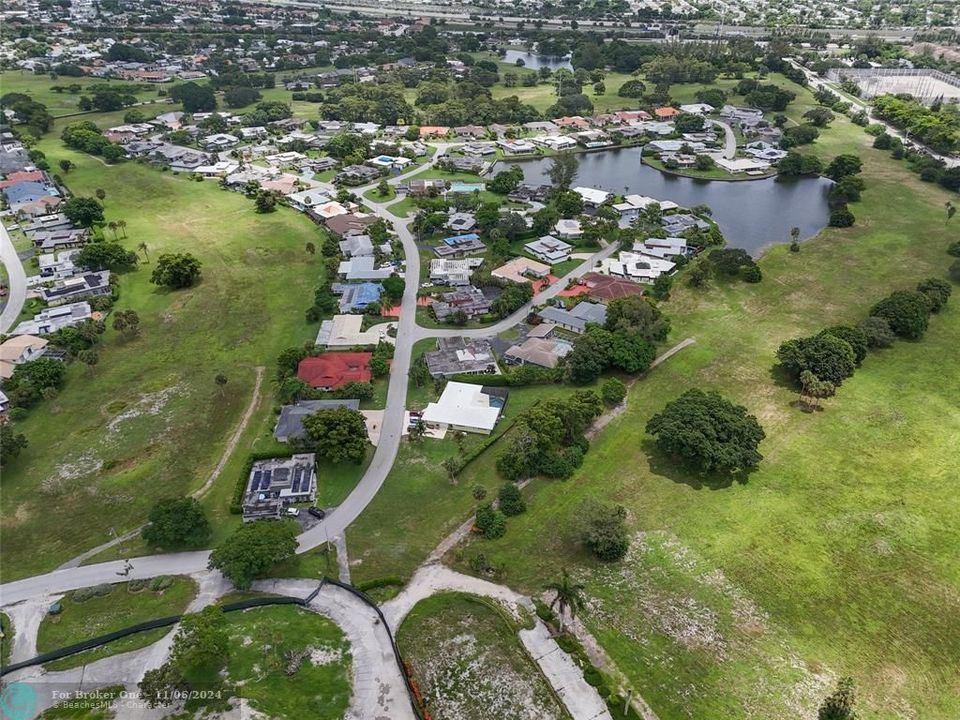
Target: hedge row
[[518, 377]]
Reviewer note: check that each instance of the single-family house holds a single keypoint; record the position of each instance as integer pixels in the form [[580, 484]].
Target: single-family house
[[568, 229], [305, 200], [471, 301], [592, 197], [355, 297], [604, 288], [445, 271], [540, 351], [362, 269], [276, 483], [577, 318], [333, 370], [51, 319], [458, 355], [290, 421], [549, 249], [636, 267], [459, 245], [349, 224], [18, 350], [521, 270], [466, 407], [77, 287], [697, 109]]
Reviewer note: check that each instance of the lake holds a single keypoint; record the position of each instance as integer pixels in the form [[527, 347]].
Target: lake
[[535, 62], [753, 214]]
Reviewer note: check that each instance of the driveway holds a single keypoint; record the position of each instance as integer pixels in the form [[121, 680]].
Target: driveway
[[730, 139], [17, 282]]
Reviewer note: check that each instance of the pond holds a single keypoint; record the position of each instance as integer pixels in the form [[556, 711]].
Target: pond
[[753, 214], [535, 62]]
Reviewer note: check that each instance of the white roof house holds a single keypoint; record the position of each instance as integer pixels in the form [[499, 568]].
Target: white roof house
[[344, 331], [363, 268], [453, 272], [549, 249], [569, 229], [592, 196], [636, 267], [697, 109], [464, 406], [306, 199], [662, 247], [51, 319]]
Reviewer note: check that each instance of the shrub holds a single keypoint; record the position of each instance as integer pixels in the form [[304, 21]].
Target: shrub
[[907, 311], [544, 611], [954, 249], [84, 594], [135, 586], [161, 583], [490, 522], [602, 529], [937, 292], [842, 217], [479, 492], [878, 333], [511, 500], [954, 271], [613, 391]]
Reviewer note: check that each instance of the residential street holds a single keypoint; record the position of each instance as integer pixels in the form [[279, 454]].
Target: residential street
[[17, 282]]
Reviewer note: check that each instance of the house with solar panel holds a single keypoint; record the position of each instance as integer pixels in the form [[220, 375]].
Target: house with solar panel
[[276, 483]]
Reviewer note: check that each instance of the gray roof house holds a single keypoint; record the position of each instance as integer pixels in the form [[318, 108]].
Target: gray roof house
[[79, 287], [461, 355], [576, 319], [356, 246], [275, 483], [290, 422]]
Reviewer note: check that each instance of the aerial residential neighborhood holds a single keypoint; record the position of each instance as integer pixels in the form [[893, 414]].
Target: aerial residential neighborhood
[[581, 361]]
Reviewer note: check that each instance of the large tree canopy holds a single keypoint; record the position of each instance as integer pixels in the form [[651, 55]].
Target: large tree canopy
[[253, 549], [337, 434], [907, 311], [708, 432], [827, 356], [177, 523]]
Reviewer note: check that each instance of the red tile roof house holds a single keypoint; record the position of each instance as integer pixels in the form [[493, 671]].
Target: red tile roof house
[[576, 121], [333, 370], [665, 113], [633, 115]]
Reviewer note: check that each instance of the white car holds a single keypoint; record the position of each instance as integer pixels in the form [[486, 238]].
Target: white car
[[293, 512]]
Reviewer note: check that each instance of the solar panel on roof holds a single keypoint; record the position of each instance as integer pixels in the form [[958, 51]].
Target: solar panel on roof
[[266, 479], [256, 481], [305, 487]]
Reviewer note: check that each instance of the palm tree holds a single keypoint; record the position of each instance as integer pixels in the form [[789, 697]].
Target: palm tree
[[113, 226], [101, 195], [122, 224], [142, 247], [311, 248], [569, 596], [951, 210]]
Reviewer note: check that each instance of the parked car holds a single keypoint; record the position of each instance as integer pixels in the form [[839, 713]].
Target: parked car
[[293, 512], [317, 512]]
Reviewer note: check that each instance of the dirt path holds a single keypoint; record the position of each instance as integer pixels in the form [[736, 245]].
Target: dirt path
[[601, 422], [199, 493], [232, 445]]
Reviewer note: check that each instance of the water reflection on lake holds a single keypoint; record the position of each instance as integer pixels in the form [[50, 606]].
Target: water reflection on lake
[[752, 214]]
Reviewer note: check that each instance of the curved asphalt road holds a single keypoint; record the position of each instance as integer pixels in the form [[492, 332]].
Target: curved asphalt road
[[408, 332], [17, 282]]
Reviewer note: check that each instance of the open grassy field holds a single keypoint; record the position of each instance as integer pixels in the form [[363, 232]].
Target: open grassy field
[[261, 642], [469, 663], [148, 421], [839, 555], [39, 88], [119, 609]]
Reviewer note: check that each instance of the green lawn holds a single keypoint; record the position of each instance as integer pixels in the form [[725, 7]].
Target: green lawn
[[469, 663], [121, 608], [314, 564], [261, 640], [39, 88], [148, 422], [839, 556]]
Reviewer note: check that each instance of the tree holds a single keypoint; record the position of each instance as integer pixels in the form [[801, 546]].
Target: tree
[[842, 217], [490, 522], [937, 291], [827, 356], [221, 381], [66, 166], [393, 287], [705, 162], [954, 271], [602, 528], [563, 170], [877, 332], [635, 315], [855, 337], [11, 443], [89, 358], [819, 117], [708, 433], [842, 166], [511, 500], [337, 434], [798, 164], [839, 705], [195, 98], [453, 466], [613, 391], [699, 274], [176, 523], [907, 311], [568, 595], [101, 194], [126, 322], [176, 270], [253, 549], [202, 645], [383, 187], [951, 210], [632, 89], [106, 255], [506, 181], [142, 247], [847, 189], [265, 202], [310, 248], [83, 211]]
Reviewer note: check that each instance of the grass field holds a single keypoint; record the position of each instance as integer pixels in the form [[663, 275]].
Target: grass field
[[121, 608], [39, 88], [261, 642], [148, 421], [839, 556], [469, 663]]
